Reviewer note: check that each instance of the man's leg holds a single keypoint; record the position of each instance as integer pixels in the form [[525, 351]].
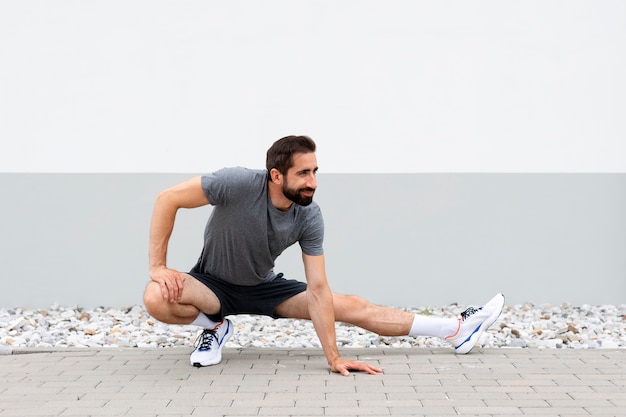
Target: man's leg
[[196, 298], [381, 320], [463, 331], [197, 303]]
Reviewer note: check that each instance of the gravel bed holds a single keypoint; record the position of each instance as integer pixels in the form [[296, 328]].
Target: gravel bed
[[519, 326]]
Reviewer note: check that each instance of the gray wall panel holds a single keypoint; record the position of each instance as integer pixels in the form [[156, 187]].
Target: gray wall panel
[[397, 239]]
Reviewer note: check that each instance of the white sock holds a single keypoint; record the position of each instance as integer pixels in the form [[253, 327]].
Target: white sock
[[203, 321], [433, 326]]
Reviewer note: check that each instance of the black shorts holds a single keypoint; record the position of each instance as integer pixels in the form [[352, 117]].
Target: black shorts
[[255, 299]]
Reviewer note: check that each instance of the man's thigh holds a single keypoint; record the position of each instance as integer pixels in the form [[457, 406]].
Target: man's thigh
[[199, 295], [295, 307]]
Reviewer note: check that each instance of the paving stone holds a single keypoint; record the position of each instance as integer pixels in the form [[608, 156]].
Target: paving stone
[[278, 382]]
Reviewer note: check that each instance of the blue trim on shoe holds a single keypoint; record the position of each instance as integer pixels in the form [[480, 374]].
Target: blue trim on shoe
[[226, 334], [469, 337]]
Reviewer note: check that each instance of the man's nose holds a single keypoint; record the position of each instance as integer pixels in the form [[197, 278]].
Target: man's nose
[[312, 181]]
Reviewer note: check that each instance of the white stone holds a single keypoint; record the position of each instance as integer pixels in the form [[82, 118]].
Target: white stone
[[608, 344], [534, 326], [17, 323], [68, 314]]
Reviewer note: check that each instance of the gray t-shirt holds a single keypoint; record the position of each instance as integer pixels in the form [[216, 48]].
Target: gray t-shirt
[[245, 232]]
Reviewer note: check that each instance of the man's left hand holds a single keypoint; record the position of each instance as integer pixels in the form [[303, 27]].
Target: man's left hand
[[343, 367]]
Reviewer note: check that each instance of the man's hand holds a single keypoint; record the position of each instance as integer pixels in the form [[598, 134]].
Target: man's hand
[[170, 281], [342, 366]]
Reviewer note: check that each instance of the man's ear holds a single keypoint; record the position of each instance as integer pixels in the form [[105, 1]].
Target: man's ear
[[276, 176]]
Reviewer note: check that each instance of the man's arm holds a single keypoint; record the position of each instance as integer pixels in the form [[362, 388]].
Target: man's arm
[[188, 194], [322, 312]]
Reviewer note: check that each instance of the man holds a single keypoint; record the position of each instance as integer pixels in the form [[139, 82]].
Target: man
[[257, 214]]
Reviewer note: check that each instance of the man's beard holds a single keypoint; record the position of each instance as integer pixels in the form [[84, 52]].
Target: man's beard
[[296, 196]]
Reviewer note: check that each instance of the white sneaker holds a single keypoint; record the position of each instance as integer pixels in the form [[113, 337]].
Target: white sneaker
[[473, 322], [210, 343]]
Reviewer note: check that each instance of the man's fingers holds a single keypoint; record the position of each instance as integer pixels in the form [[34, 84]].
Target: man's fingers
[[365, 367], [180, 282], [347, 366], [171, 283], [164, 291], [173, 291], [167, 291], [373, 370]]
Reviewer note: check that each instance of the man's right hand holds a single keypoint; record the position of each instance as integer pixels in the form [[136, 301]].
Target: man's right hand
[[171, 282]]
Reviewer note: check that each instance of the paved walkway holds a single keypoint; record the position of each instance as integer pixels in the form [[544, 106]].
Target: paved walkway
[[271, 382]]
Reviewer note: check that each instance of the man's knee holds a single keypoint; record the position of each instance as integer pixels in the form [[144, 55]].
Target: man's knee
[[153, 300], [355, 301], [349, 305]]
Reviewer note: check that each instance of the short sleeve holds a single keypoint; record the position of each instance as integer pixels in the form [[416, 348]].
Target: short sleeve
[[226, 183], [312, 239]]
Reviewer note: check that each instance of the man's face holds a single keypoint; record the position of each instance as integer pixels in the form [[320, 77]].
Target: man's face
[[300, 182]]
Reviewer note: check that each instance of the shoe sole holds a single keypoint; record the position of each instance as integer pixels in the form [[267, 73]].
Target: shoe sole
[[219, 358], [469, 343]]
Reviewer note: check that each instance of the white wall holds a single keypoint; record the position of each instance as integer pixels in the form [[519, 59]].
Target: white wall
[[418, 86]]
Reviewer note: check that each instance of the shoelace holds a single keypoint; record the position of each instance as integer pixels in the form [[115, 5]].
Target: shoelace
[[469, 312], [203, 342]]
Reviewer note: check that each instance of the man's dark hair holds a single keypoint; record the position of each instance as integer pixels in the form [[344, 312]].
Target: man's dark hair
[[280, 155]]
